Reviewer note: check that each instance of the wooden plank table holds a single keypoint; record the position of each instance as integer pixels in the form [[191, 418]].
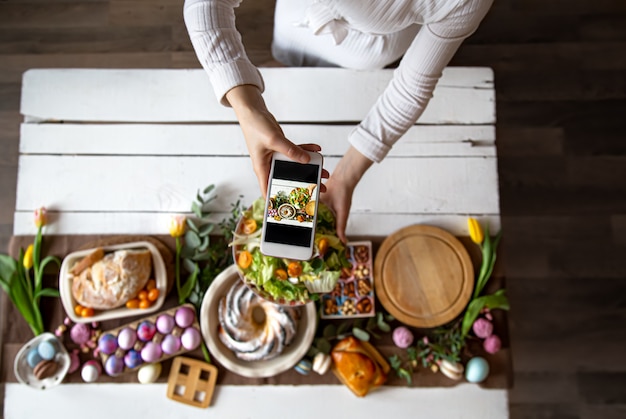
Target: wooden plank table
[[119, 151]]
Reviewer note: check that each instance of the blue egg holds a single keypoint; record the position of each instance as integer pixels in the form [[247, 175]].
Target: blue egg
[[476, 370], [33, 358], [133, 359], [46, 350], [303, 367]]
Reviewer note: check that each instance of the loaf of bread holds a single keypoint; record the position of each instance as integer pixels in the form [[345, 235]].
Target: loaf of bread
[[113, 280], [359, 365]]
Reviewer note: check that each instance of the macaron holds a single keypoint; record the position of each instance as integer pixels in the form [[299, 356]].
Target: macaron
[[303, 367], [452, 370], [33, 358], [321, 363], [45, 369]]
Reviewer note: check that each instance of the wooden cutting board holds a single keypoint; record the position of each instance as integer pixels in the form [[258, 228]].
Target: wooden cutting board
[[423, 276]]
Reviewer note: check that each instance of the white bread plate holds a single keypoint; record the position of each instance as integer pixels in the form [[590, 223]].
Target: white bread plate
[[209, 324], [159, 274], [24, 373]]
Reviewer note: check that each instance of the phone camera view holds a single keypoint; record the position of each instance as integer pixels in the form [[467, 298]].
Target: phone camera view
[[291, 204]]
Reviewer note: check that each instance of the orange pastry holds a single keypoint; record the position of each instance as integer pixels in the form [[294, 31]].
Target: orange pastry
[[359, 365]]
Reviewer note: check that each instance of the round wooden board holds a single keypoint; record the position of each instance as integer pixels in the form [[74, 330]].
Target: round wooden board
[[423, 276]]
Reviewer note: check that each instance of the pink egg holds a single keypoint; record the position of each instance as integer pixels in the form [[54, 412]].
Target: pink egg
[[190, 338], [170, 344], [146, 331], [165, 324], [184, 317], [80, 333], [126, 338], [151, 352]]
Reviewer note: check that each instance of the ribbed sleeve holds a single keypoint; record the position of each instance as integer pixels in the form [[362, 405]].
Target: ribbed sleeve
[[211, 27]]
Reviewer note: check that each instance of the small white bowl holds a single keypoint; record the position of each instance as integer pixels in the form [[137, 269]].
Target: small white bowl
[[24, 372], [69, 302], [209, 323]]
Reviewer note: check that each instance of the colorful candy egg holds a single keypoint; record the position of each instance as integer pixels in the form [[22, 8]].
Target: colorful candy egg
[[146, 331], [91, 371], [184, 317], [132, 359], [114, 366], [303, 367], [107, 344], [190, 338]]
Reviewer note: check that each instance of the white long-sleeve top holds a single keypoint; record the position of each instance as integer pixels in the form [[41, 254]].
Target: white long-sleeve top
[[363, 32]]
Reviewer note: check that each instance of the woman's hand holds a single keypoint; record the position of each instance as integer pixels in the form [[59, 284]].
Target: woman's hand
[[263, 134], [341, 184]]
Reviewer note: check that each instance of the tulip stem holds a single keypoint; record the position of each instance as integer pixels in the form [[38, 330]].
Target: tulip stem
[[178, 250]]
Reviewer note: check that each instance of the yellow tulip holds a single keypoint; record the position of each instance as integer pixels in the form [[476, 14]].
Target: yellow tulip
[[28, 257], [177, 225], [475, 230], [41, 217]]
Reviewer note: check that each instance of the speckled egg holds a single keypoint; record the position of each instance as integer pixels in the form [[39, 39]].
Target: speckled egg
[[190, 338], [126, 338], [91, 371], [33, 358], [47, 349], [146, 331], [165, 324], [107, 344], [476, 370], [170, 344], [132, 359], [151, 352], [149, 373], [114, 366], [184, 317]]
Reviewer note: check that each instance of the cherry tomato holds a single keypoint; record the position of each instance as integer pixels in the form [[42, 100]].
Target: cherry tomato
[[143, 295], [294, 269], [143, 304], [322, 246], [244, 259], [134, 303], [281, 274], [151, 284], [153, 294], [78, 309], [249, 226], [86, 312]]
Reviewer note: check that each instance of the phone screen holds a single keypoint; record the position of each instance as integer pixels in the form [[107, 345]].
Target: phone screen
[[292, 201]]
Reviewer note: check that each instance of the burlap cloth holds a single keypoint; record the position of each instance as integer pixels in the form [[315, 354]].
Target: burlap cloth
[[15, 331]]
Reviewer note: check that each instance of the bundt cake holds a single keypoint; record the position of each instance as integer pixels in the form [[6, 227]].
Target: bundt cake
[[253, 328]]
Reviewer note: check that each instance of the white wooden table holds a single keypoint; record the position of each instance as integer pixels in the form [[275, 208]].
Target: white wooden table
[[119, 151]]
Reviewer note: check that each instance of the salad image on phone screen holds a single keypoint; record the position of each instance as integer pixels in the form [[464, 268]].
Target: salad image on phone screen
[[292, 203]]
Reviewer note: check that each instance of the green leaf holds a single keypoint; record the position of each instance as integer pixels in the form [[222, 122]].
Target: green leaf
[[189, 285], [382, 325], [187, 251], [204, 245], [395, 362], [196, 209], [360, 334], [189, 265], [343, 327], [192, 226], [389, 317], [402, 373], [323, 345], [312, 352], [493, 301], [329, 331], [199, 197], [8, 266], [192, 239], [206, 229], [371, 323], [203, 256], [208, 189], [47, 292]]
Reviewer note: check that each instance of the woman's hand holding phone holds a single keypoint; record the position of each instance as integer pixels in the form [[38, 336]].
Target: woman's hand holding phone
[[263, 134]]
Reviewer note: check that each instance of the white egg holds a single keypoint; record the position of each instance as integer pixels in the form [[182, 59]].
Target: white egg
[[126, 338], [149, 373], [90, 372]]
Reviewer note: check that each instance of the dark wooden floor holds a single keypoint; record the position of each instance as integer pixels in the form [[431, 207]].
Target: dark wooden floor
[[560, 70]]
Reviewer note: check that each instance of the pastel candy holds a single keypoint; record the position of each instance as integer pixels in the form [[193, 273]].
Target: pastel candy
[[321, 363], [46, 350], [33, 358], [303, 367]]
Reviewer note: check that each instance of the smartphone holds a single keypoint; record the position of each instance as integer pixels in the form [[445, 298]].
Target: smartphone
[[291, 207]]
